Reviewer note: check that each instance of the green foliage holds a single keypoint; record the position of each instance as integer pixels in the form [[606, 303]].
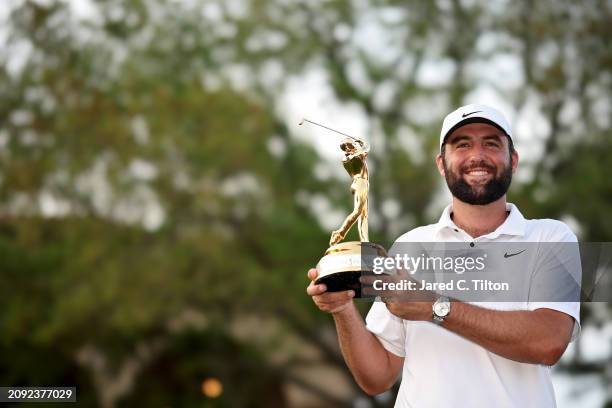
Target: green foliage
[[175, 380]]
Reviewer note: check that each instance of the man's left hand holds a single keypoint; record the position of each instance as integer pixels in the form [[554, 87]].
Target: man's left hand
[[408, 304]]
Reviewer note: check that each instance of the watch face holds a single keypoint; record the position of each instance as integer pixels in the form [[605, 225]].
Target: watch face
[[442, 309]]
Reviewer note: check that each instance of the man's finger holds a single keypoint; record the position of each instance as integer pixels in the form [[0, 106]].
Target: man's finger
[[402, 273], [370, 279], [315, 290], [370, 291], [312, 274], [332, 297]]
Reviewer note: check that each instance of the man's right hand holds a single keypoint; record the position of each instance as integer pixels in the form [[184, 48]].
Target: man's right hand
[[375, 369], [331, 302]]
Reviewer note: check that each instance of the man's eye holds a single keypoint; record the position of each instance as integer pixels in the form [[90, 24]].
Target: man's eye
[[461, 145]]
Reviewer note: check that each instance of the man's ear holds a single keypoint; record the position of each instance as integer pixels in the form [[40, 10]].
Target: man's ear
[[515, 159], [440, 164]]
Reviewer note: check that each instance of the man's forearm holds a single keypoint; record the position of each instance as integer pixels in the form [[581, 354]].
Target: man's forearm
[[373, 368], [538, 337]]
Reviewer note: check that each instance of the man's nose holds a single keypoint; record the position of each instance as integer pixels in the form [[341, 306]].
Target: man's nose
[[477, 152]]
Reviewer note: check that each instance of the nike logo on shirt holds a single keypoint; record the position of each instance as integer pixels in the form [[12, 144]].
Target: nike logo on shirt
[[507, 255]]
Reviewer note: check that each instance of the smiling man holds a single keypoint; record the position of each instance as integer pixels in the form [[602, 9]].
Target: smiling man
[[454, 353]]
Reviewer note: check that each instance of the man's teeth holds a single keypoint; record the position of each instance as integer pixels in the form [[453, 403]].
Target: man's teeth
[[478, 173]]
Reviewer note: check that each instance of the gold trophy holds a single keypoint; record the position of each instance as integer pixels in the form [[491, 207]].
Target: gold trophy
[[344, 262]]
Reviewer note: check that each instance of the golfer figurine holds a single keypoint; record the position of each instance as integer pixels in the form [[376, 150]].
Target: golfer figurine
[[355, 153]]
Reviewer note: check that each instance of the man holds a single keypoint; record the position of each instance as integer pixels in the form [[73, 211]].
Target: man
[[455, 353]]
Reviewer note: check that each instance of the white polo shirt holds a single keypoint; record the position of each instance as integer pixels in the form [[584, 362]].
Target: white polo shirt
[[441, 368]]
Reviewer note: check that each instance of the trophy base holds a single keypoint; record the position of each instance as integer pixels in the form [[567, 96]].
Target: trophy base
[[339, 281], [343, 264]]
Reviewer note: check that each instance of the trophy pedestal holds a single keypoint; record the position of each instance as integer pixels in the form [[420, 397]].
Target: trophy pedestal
[[343, 264]]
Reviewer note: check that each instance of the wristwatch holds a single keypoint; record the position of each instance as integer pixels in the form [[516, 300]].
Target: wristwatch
[[441, 308]]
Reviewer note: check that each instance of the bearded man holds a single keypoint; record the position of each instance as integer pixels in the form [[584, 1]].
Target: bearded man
[[452, 352]]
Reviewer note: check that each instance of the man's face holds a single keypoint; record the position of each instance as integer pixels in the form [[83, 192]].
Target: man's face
[[477, 163]]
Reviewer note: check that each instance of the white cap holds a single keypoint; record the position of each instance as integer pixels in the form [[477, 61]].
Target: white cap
[[473, 113]]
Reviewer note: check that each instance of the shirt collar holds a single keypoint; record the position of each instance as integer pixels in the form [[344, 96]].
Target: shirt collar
[[514, 224]]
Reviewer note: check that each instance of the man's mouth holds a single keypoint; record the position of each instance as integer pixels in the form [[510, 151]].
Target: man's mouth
[[478, 174]]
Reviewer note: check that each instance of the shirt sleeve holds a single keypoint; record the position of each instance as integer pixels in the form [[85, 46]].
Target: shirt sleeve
[[556, 283], [570, 308], [389, 329]]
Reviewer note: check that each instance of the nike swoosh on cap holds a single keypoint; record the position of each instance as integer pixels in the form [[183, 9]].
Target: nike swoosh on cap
[[465, 115]]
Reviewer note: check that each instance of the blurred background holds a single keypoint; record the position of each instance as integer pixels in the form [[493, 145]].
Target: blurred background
[[159, 205]]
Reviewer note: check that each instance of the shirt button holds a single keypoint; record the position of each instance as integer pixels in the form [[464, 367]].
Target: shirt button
[[472, 244], [456, 230]]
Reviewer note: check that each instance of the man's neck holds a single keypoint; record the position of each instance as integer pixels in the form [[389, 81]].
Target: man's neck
[[478, 220]]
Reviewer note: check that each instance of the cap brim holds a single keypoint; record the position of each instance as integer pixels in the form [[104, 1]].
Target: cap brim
[[472, 120]]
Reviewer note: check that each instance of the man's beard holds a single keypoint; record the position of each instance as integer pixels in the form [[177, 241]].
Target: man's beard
[[492, 191]]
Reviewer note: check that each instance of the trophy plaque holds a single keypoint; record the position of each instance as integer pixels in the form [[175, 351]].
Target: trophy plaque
[[344, 262]]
